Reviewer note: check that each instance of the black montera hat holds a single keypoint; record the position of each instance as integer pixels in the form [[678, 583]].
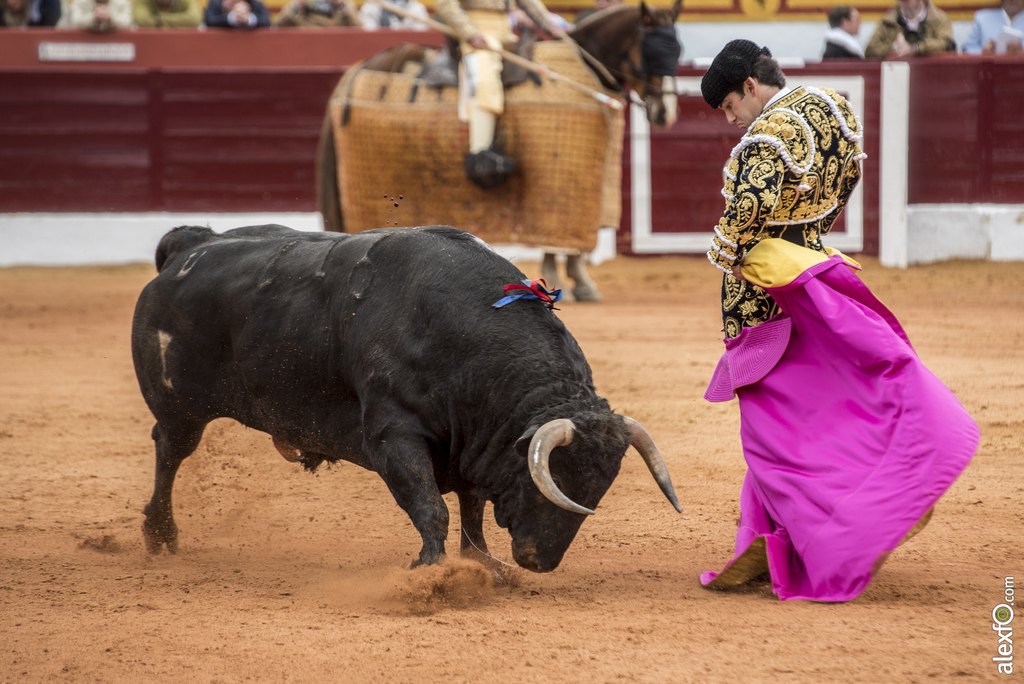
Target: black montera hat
[[730, 68]]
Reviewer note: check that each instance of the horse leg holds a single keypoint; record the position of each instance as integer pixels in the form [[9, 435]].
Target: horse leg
[[585, 289], [549, 272]]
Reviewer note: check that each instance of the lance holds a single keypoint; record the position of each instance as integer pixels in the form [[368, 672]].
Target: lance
[[534, 67]]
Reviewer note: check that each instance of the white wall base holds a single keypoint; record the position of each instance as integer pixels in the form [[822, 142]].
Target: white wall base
[[938, 232], [83, 239]]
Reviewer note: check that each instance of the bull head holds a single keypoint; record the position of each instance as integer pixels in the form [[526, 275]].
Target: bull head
[[545, 520], [559, 432]]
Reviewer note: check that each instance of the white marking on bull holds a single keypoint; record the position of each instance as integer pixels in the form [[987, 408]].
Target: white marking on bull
[[165, 340], [483, 243], [190, 262]]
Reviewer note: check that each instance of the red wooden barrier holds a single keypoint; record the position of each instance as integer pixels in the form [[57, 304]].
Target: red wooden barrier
[[967, 131], [161, 140], [201, 121]]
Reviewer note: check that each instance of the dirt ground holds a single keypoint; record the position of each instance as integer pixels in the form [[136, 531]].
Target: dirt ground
[[289, 577]]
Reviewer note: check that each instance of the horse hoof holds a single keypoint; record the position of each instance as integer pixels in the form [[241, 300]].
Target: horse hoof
[[586, 293]]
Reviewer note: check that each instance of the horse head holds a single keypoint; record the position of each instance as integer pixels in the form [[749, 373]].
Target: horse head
[[637, 46]]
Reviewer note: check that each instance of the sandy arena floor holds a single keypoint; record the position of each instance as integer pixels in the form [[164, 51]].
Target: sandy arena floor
[[288, 577]]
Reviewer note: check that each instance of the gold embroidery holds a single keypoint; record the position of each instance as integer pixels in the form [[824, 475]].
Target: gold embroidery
[[732, 327], [761, 173], [732, 291], [747, 308], [831, 171], [820, 120], [746, 206]]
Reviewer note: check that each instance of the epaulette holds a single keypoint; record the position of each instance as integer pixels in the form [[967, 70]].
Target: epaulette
[[788, 133], [848, 122]]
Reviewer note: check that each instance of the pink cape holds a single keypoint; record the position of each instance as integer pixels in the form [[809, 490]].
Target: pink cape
[[849, 439]]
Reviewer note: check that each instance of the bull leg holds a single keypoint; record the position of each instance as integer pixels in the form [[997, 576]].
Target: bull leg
[[585, 289], [172, 447], [406, 468], [471, 517], [549, 272]]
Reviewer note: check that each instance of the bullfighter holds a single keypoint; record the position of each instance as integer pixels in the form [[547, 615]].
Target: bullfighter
[[849, 440]]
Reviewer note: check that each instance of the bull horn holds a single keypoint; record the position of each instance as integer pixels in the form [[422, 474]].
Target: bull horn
[[642, 442], [551, 434]]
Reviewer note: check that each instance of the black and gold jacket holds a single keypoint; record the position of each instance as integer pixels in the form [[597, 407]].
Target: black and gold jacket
[[789, 177]]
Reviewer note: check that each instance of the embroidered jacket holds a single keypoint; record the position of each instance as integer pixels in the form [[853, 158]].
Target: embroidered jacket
[[789, 177]]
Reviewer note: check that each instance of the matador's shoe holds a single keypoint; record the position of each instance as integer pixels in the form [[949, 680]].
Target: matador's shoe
[[751, 564]]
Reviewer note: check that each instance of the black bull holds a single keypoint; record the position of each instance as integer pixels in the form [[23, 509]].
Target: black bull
[[383, 349]]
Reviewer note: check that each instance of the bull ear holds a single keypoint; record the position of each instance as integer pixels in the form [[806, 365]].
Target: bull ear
[[523, 443]]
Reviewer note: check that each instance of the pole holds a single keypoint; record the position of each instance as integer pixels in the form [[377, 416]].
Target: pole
[[535, 67]]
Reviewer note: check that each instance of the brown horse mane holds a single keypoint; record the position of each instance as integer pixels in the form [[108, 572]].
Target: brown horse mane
[[614, 32], [602, 16]]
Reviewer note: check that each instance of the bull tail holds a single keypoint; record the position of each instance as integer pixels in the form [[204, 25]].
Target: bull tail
[[178, 240]]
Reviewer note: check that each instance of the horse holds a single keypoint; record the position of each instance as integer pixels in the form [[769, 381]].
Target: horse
[[627, 47]]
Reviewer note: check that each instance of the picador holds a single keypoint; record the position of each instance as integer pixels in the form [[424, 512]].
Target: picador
[[483, 29]]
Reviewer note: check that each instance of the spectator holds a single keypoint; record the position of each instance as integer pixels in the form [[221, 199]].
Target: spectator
[[374, 17], [912, 28], [320, 13], [20, 13], [100, 16], [989, 25], [243, 14], [167, 13], [841, 38], [518, 20], [598, 6]]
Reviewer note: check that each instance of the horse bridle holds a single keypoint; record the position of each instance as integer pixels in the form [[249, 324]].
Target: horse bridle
[[659, 56]]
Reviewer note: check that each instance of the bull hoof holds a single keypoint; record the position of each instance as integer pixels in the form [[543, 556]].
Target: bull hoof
[[427, 561], [157, 539]]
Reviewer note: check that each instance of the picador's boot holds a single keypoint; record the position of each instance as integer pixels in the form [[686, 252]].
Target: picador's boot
[[488, 168], [485, 165]]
